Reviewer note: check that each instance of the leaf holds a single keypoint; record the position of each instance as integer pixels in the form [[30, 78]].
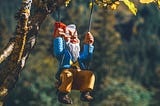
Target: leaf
[[115, 5], [67, 2], [159, 3], [90, 5], [131, 6], [147, 1]]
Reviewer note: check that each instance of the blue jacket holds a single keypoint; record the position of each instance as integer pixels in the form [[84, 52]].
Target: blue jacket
[[64, 57]]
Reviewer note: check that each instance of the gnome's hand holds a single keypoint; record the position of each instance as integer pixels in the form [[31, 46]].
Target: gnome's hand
[[89, 39], [59, 32]]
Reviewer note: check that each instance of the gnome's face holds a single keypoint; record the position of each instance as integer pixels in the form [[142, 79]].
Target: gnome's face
[[73, 43], [72, 34]]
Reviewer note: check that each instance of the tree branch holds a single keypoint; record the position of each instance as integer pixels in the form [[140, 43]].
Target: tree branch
[[15, 54]]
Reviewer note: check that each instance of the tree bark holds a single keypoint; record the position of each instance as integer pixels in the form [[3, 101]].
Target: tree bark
[[16, 52]]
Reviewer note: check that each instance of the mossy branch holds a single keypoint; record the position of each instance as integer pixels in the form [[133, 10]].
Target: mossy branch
[[15, 54]]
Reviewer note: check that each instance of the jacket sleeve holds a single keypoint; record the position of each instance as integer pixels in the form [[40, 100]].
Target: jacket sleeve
[[86, 55], [58, 46]]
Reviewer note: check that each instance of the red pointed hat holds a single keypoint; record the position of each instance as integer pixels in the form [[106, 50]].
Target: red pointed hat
[[58, 25]]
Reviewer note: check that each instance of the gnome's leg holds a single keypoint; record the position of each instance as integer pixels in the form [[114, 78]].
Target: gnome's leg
[[86, 80], [66, 78]]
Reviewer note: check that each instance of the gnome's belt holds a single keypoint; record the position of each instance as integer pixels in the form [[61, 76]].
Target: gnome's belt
[[75, 67]]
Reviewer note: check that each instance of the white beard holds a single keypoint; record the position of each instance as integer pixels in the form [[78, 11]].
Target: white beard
[[74, 49]]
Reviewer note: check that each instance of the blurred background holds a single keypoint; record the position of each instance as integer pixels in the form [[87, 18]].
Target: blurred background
[[126, 58]]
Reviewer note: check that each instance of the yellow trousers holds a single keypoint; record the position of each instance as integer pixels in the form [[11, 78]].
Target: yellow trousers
[[76, 79]]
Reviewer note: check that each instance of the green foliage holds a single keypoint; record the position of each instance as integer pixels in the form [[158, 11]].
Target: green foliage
[[122, 92], [141, 48], [33, 91], [107, 45], [125, 60]]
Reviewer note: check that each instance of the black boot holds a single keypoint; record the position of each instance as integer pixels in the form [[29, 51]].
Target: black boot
[[86, 97], [64, 98]]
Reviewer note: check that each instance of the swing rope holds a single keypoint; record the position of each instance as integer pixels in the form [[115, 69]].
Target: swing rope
[[89, 28], [90, 16], [58, 14]]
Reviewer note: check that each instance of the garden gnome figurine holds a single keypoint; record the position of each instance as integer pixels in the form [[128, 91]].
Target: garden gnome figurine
[[72, 73]]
